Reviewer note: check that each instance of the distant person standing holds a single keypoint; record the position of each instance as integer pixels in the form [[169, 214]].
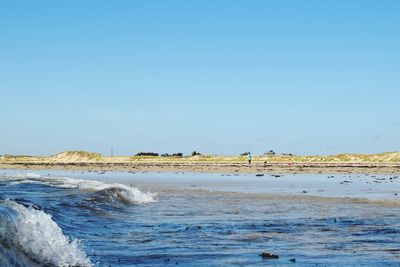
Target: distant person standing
[[249, 157]]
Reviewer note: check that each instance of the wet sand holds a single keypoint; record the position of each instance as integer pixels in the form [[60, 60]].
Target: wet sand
[[213, 167]]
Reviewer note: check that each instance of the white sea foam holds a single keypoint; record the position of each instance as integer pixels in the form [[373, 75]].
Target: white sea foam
[[25, 175], [123, 192], [38, 236]]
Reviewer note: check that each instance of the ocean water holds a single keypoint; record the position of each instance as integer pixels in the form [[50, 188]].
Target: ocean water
[[54, 218]]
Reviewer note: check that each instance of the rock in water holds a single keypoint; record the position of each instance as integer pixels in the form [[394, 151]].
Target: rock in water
[[267, 255]]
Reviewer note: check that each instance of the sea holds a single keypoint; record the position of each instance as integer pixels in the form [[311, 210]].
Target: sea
[[96, 218]]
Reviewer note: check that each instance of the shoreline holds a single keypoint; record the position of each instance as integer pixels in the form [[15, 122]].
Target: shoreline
[[213, 167]]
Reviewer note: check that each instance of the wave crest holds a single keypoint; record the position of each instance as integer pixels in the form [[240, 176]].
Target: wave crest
[[121, 192], [36, 235]]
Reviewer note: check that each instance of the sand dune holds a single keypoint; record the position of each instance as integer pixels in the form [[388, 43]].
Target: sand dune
[[81, 160]]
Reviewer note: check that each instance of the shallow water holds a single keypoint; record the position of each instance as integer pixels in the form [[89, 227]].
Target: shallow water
[[168, 219]]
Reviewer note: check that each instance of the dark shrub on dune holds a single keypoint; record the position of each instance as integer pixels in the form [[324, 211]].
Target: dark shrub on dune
[[270, 153], [152, 154], [288, 154], [172, 155], [195, 153]]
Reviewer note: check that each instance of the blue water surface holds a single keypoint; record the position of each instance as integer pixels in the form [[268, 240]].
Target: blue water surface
[[190, 226]]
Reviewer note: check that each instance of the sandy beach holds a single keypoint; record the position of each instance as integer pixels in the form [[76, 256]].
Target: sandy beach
[[384, 163], [215, 167]]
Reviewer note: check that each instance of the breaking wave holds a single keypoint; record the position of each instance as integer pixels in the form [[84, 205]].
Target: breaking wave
[[29, 237], [119, 192]]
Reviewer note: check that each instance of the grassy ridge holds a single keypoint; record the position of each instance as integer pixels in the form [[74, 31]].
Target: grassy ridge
[[77, 156], [382, 157]]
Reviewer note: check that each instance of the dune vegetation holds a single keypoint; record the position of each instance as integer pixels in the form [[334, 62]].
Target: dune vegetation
[[76, 156], [84, 156], [382, 157]]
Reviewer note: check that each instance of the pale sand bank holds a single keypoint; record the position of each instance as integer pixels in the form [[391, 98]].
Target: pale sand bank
[[216, 167], [384, 163]]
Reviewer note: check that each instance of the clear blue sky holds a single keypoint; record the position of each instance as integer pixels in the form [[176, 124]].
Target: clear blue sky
[[220, 77]]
